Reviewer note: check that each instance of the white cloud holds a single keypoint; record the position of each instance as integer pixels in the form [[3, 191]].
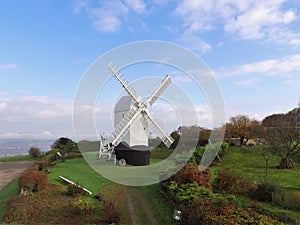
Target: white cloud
[[283, 67], [79, 6], [194, 42], [41, 135], [293, 83], [136, 5], [248, 19], [182, 79], [252, 81], [8, 66], [108, 16], [35, 109]]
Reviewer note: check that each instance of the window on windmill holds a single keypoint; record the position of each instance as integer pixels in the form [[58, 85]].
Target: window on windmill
[[123, 115]]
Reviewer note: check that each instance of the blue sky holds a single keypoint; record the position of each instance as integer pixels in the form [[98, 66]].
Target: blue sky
[[252, 47]]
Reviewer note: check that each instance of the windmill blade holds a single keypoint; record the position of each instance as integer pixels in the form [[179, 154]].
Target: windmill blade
[[163, 136], [125, 84], [159, 90], [122, 127]]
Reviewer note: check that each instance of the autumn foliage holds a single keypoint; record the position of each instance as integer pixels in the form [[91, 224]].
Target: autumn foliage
[[190, 173]]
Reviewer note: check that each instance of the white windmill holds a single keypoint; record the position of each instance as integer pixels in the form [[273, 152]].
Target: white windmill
[[132, 121]]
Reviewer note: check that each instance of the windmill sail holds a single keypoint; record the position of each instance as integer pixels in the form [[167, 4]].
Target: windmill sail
[[122, 127], [163, 136], [125, 84], [159, 90]]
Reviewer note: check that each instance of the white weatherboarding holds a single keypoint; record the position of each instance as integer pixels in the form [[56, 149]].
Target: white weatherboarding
[[132, 118]]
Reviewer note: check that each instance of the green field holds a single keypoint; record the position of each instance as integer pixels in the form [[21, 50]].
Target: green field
[[251, 164], [80, 172], [17, 158], [6, 193]]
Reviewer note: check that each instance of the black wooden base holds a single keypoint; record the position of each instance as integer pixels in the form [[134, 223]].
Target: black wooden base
[[134, 155]]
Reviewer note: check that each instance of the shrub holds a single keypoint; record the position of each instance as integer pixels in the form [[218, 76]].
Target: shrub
[[208, 211], [113, 199], [290, 200], [83, 206], [34, 152], [266, 191], [230, 182], [33, 181], [190, 173], [14, 214], [187, 193], [73, 155], [223, 148], [74, 190]]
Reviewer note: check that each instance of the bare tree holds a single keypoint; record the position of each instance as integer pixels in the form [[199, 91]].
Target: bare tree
[[283, 136]]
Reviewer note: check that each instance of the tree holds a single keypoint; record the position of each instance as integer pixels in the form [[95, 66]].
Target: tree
[[65, 145], [34, 152], [192, 136], [266, 152], [282, 133], [242, 128]]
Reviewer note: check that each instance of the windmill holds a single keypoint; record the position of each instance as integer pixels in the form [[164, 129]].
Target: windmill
[[134, 121]]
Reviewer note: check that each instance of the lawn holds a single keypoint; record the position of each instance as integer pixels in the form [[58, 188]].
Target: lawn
[[17, 158], [247, 163], [6, 193], [250, 163], [78, 171]]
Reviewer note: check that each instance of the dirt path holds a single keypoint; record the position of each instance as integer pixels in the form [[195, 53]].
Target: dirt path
[[137, 202], [10, 170]]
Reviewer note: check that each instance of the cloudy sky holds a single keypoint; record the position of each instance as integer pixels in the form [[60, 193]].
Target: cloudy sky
[[251, 46]]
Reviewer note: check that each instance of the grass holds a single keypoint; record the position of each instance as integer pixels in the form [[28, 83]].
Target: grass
[[247, 163], [251, 164], [162, 209], [18, 158], [7, 193], [78, 171]]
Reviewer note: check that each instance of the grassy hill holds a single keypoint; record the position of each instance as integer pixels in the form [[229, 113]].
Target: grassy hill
[[250, 163]]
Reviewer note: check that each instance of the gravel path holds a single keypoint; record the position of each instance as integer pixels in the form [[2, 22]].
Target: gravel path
[[10, 170]]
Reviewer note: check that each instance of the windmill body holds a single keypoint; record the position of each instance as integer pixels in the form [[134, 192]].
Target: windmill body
[[129, 139], [138, 132]]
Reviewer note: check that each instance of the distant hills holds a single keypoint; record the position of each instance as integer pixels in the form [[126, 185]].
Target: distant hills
[[14, 147]]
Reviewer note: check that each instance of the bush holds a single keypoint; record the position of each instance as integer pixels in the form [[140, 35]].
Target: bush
[[83, 206], [186, 194], [74, 190], [230, 182], [14, 214], [34, 152], [33, 181], [290, 200], [266, 191], [73, 155], [208, 211], [190, 173], [113, 199]]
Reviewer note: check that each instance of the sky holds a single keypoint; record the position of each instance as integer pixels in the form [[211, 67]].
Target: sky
[[252, 47]]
